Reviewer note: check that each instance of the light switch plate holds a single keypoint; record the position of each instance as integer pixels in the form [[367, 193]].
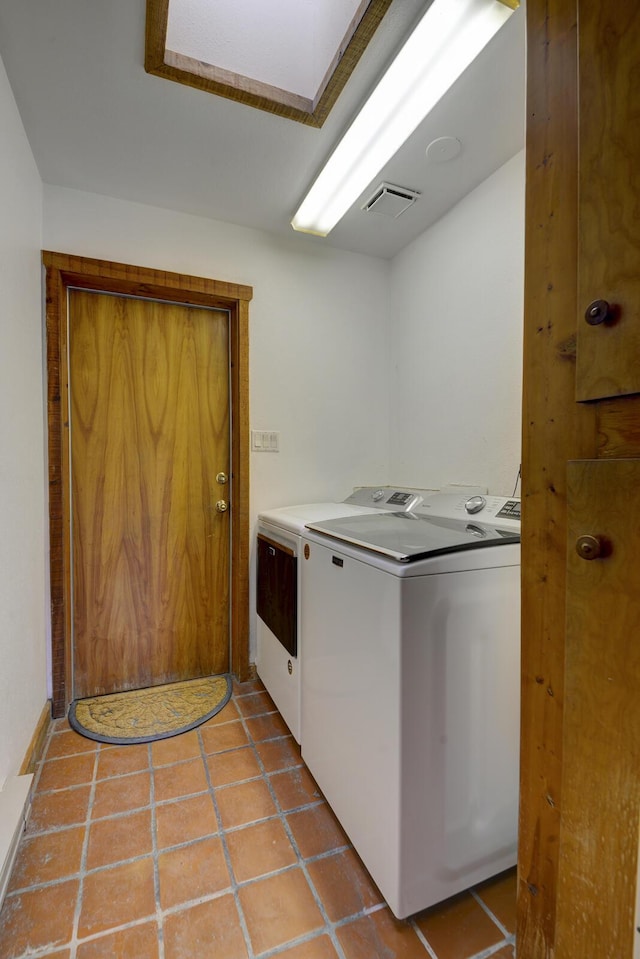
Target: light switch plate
[[265, 441]]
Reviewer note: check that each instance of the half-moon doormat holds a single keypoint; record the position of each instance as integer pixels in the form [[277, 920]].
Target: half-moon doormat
[[144, 715]]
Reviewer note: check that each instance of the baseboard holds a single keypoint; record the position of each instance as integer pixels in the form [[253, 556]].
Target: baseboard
[[14, 812], [36, 746]]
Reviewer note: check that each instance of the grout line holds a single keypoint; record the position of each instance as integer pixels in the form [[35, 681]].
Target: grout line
[[83, 858], [423, 939], [329, 927], [503, 929], [155, 853], [491, 950], [225, 848]]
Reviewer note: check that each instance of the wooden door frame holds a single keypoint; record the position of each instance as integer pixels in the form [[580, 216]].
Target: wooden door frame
[[63, 271], [556, 430]]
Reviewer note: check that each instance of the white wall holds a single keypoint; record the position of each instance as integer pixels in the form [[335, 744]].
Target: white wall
[[23, 688], [318, 335], [456, 342]]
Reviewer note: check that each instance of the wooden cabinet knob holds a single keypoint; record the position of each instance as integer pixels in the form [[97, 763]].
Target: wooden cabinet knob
[[597, 312], [588, 547]]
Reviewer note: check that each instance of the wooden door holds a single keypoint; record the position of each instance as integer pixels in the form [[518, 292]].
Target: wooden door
[[149, 399], [580, 779]]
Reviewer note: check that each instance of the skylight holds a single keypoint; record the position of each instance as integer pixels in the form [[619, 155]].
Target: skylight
[[291, 57]]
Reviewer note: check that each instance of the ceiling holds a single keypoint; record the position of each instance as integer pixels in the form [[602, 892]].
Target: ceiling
[[97, 122]]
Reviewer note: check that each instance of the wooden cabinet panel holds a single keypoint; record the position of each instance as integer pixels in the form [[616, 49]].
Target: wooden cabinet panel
[[608, 353], [601, 769]]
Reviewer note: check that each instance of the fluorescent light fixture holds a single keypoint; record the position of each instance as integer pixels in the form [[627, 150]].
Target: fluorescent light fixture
[[448, 38]]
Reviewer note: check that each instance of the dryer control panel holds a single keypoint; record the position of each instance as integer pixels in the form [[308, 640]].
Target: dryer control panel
[[397, 500]]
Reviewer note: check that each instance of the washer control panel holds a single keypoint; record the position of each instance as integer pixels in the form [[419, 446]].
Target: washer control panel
[[502, 511], [510, 510]]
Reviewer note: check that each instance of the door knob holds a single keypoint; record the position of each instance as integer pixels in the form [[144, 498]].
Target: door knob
[[599, 312], [221, 478], [222, 506], [588, 547]]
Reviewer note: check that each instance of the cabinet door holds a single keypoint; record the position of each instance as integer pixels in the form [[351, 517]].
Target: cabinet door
[[608, 343], [601, 769]]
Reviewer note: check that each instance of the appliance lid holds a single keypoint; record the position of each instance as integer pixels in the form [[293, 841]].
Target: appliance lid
[[407, 537]]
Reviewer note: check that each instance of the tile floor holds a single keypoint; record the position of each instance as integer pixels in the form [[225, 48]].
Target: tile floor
[[216, 843]]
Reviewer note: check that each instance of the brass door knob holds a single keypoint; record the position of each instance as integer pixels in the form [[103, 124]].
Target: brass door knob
[[588, 547], [222, 506], [221, 478]]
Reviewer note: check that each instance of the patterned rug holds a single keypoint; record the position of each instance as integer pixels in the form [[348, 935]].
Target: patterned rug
[[143, 715]]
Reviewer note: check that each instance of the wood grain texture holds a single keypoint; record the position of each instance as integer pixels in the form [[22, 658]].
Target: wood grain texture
[[35, 749], [203, 76], [554, 428], [601, 776], [68, 270], [609, 198], [149, 431]]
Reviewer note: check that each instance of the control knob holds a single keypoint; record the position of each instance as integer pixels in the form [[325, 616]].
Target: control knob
[[475, 503]]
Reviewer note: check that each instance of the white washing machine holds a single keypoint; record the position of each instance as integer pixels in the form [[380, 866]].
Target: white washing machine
[[279, 534], [411, 690]]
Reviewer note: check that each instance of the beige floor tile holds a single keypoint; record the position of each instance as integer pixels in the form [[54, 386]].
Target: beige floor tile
[[117, 896], [316, 830], [192, 872], [137, 942], [37, 918], [279, 909], [181, 779], [121, 794], [185, 820], [47, 858], [244, 803], [233, 766], [260, 849], [122, 837], [458, 928], [343, 885], [208, 929], [380, 934]]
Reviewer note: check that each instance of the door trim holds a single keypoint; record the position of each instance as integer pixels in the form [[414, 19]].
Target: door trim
[[61, 272]]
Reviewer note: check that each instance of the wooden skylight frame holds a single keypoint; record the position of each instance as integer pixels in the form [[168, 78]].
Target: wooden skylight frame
[[204, 76]]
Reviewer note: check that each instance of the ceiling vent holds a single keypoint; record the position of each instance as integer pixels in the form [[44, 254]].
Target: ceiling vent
[[390, 200]]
